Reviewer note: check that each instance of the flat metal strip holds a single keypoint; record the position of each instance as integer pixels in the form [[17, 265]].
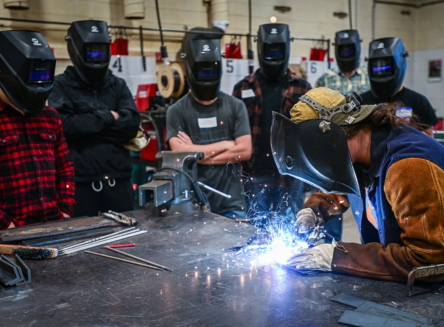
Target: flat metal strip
[[350, 300], [359, 319], [376, 309]]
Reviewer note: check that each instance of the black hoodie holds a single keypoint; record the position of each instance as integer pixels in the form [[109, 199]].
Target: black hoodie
[[95, 139]]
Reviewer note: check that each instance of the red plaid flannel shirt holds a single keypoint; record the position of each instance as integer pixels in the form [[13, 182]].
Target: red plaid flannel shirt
[[291, 92], [36, 174]]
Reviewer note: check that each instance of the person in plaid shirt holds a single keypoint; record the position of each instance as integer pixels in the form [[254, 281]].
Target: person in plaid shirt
[[348, 76], [36, 174], [273, 87]]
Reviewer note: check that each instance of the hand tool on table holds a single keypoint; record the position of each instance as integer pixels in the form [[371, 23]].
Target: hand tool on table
[[29, 252], [137, 258], [120, 218], [123, 260]]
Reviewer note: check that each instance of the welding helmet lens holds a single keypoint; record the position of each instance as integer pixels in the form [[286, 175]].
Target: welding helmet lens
[[274, 52], [40, 71], [207, 71], [347, 51], [95, 52], [381, 67]]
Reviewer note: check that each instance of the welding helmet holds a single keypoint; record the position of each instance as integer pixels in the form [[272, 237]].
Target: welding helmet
[[347, 50], [273, 49], [27, 67], [312, 146], [203, 69], [89, 49], [387, 64]]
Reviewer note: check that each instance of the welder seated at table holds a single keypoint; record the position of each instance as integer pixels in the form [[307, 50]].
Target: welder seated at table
[[36, 175], [393, 175], [213, 122]]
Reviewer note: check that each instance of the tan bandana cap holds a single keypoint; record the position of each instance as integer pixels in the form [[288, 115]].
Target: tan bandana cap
[[328, 98]]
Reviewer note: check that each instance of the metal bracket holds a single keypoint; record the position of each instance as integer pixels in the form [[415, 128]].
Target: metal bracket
[[425, 271]]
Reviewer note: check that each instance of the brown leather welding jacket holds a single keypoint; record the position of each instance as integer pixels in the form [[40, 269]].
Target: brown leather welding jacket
[[405, 184]]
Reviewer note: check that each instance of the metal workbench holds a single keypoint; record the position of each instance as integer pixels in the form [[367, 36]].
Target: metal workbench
[[208, 287]]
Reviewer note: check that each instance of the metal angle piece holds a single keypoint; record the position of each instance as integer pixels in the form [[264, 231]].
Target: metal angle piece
[[25, 270], [9, 275], [19, 270], [353, 318]]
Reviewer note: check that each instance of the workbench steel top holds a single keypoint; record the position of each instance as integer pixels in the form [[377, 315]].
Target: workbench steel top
[[208, 287]]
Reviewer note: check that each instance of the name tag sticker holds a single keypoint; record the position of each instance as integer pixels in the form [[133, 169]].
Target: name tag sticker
[[207, 122], [247, 94]]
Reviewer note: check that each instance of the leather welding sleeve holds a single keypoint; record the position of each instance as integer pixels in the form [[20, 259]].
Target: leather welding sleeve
[[64, 174], [77, 126], [414, 189], [125, 128]]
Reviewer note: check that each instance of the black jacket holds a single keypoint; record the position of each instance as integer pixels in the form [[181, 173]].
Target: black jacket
[[94, 137]]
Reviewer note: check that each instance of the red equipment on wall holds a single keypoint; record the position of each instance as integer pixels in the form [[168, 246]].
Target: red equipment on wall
[[119, 47], [153, 121], [233, 49], [143, 95]]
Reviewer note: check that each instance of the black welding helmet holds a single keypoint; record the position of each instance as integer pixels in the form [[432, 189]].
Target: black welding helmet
[[387, 64], [27, 67], [89, 49], [314, 151], [203, 67], [273, 49], [347, 50]]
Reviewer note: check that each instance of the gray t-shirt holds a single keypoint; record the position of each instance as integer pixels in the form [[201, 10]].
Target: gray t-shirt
[[224, 120]]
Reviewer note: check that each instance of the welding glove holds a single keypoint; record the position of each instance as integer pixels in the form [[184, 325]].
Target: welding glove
[[315, 259], [319, 208]]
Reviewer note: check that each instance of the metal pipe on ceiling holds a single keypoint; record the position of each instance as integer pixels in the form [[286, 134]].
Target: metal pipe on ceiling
[[412, 5]]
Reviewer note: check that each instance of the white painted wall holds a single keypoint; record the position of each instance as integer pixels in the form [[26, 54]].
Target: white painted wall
[[417, 77]]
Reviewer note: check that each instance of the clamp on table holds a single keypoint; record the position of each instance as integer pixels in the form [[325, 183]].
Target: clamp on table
[[176, 182]]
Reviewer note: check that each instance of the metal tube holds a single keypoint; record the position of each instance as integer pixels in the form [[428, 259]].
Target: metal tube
[[328, 53], [159, 22], [91, 245], [373, 19], [137, 258], [131, 229], [214, 190], [144, 28], [350, 13], [123, 260], [141, 48]]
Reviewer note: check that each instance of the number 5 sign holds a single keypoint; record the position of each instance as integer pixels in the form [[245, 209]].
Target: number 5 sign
[[233, 71]]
